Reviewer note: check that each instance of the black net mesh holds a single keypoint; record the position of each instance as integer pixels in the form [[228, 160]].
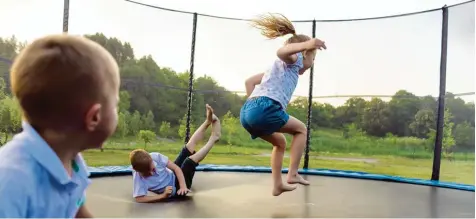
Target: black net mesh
[[370, 87], [15, 34], [153, 51], [227, 53], [457, 163], [375, 89], [17, 30]]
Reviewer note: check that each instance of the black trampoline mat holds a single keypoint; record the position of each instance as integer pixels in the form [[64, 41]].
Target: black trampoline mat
[[232, 194]]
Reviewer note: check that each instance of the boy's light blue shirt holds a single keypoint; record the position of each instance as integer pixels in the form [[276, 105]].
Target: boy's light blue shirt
[[160, 179], [34, 182], [280, 81]]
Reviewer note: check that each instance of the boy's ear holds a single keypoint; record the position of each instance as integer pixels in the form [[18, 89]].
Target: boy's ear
[[93, 117]]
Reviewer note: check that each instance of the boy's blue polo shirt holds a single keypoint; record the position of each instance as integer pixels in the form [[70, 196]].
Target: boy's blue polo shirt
[[34, 182]]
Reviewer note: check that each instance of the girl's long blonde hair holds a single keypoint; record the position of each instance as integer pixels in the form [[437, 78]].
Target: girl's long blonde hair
[[277, 25]]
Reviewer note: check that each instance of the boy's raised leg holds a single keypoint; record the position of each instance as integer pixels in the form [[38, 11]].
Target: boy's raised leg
[[215, 136], [198, 135]]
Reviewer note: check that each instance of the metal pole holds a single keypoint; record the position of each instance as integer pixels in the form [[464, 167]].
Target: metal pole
[[190, 81], [435, 175], [65, 16], [309, 107]]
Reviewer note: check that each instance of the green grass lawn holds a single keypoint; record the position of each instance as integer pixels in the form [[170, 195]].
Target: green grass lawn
[[451, 171]]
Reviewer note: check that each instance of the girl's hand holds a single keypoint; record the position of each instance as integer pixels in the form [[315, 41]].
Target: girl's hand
[[316, 44]]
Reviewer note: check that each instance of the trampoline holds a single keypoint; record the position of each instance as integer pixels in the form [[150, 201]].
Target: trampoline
[[231, 191], [245, 191]]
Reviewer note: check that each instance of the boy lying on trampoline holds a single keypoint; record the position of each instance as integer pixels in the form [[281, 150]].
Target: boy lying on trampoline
[[154, 172]]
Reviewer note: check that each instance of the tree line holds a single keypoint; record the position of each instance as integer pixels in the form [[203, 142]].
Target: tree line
[[155, 98]]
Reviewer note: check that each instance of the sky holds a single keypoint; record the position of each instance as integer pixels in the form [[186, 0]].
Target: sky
[[375, 57]]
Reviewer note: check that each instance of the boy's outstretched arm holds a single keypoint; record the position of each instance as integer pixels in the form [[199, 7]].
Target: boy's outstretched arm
[[180, 178], [251, 83], [154, 198], [140, 192]]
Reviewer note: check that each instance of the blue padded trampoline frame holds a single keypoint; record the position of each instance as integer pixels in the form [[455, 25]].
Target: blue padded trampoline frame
[[127, 170]]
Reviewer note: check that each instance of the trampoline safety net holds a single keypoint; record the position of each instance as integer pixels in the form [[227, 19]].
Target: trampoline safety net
[[390, 98]]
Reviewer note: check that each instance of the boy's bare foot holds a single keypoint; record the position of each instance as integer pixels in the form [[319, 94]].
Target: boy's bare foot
[[215, 137], [215, 118], [297, 179], [216, 129], [277, 190], [210, 115]]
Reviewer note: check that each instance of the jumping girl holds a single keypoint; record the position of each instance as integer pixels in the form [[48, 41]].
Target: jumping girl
[[263, 115]]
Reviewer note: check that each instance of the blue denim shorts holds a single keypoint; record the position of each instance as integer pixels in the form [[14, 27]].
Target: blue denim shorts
[[262, 116]]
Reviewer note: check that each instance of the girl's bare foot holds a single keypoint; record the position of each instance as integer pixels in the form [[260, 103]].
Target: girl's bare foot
[[277, 190], [297, 179]]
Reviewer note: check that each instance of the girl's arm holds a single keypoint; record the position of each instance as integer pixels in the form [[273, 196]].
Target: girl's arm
[[251, 82], [287, 53]]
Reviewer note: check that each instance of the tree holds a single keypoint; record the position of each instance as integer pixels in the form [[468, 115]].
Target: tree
[[10, 117], [164, 129], [470, 117], [460, 111], [322, 115], [351, 112], [428, 103], [230, 127], [221, 100], [298, 108], [124, 101], [375, 120], [183, 127], [147, 121], [146, 136], [448, 139], [135, 123], [402, 109], [121, 52], [127, 119], [424, 121], [352, 131], [9, 49], [464, 136], [122, 128], [2, 89]]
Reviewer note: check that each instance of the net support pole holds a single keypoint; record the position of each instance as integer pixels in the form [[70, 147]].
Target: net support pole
[[190, 80], [435, 175], [65, 16], [309, 106]]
